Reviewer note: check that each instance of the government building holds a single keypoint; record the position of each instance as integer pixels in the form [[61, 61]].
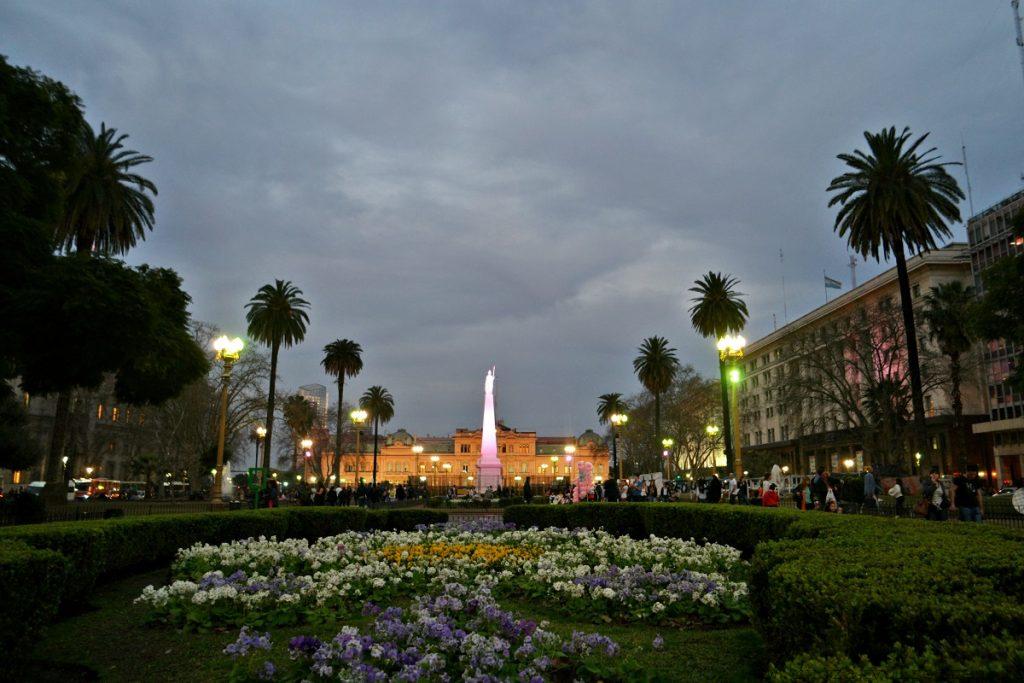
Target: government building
[[807, 389], [444, 461]]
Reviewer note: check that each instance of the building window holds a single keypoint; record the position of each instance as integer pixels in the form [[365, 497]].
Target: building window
[[502, 448], [464, 448], [771, 435], [115, 413], [916, 291], [99, 412], [523, 468], [465, 468]]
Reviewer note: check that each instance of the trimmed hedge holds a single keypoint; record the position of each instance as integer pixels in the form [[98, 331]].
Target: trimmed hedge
[[859, 591], [46, 566], [30, 590]]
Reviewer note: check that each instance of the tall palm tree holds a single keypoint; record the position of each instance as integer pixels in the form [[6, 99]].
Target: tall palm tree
[[656, 367], [342, 358], [895, 198], [947, 313], [277, 317], [381, 405], [718, 310], [107, 207], [299, 416]]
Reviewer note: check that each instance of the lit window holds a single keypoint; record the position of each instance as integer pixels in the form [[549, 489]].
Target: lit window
[[114, 414], [99, 412]]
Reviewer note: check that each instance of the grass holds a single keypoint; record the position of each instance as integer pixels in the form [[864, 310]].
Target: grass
[[112, 641]]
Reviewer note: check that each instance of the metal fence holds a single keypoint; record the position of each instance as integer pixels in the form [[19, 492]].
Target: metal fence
[[998, 512]]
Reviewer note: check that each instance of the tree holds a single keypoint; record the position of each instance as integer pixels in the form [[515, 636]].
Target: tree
[[379, 403], [299, 416], [89, 317], [608, 405], [342, 358], [18, 450], [852, 374], [947, 313], [892, 199], [277, 316], [718, 310], [656, 367], [106, 207]]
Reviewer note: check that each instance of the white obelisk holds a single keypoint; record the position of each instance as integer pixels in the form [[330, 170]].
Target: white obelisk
[[488, 466]]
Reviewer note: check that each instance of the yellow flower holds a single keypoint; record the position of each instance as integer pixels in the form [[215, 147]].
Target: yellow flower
[[482, 553]]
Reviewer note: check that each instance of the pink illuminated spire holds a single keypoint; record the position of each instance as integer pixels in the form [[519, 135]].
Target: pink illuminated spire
[[488, 466]]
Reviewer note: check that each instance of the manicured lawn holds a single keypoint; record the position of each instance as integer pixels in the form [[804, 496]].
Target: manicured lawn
[[113, 642]]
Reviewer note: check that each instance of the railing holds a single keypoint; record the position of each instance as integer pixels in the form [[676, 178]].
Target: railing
[[995, 512]]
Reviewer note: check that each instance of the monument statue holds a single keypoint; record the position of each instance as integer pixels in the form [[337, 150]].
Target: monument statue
[[488, 466]]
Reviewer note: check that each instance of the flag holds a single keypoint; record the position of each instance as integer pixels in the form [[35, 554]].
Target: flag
[[832, 284]]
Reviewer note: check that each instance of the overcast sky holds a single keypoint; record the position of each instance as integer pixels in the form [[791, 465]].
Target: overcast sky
[[533, 185]]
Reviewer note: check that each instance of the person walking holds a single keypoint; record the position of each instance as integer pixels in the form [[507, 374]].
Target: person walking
[[897, 493], [271, 493], [937, 496], [967, 495]]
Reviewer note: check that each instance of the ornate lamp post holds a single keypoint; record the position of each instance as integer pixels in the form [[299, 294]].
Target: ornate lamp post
[[228, 351], [358, 418], [417, 451], [260, 433], [617, 420], [730, 353], [433, 468], [570, 451], [307, 455], [667, 443]]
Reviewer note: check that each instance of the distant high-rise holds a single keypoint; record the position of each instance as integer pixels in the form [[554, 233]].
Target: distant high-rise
[[317, 395]]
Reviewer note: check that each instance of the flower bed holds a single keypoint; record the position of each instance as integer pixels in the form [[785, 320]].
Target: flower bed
[[264, 581], [459, 634]]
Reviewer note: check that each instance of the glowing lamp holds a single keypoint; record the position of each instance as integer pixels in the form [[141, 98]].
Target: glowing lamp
[[306, 443], [228, 349], [358, 416], [417, 449]]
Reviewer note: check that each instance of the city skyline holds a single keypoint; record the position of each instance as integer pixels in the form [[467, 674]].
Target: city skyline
[[542, 192]]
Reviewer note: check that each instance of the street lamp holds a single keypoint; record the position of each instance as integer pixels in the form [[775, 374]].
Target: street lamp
[[848, 463], [617, 420], [228, 351], [417, 450], [358, 418], [917, 458], [261, 433], [89, 470], [730, 352], [667, 443]]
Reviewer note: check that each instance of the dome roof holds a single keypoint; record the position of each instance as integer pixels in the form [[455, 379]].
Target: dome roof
[[590, 437], [401, 437]]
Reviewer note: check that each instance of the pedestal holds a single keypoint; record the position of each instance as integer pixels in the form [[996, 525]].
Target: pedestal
[[488, 474]]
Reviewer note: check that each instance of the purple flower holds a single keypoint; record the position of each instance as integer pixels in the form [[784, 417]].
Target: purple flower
[[658, 643], [304, 644], [267, 672], [247, 640]]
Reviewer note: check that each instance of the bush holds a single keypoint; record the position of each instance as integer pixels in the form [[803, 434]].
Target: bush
[[845, 585], [30, 590], [94, 551]]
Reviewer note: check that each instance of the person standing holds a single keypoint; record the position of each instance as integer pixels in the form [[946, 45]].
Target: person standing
[[770, 499], [742, 490], [967, 495], [272, 493], [897, 493], [870, 489], [821, 489], [733, 488], [714, 493], [937, 496], [806, 502]]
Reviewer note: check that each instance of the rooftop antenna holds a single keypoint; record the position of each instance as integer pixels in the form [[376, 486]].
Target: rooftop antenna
[[785, 311], [1020, 36], [967, 175]]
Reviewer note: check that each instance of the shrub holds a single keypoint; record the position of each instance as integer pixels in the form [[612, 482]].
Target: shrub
[[30, 590], [312, 523], [408, 519]]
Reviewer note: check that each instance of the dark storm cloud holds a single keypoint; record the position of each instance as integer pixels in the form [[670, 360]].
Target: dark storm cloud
[[528, 184]]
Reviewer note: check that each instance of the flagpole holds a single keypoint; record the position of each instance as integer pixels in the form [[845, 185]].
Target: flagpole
[[824, 279], [785, 311]]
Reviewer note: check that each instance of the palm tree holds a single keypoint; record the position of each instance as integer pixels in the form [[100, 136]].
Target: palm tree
[[342, 358], [717, 311], [106, 205], [105, 208], [896, 198], [277, 316], [381, 405], [608, 405], [299, 416], [656, 367], [947, 313]]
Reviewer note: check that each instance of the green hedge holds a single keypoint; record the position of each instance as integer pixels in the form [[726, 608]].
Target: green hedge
[[78, 555], [30, 590], [845, 586]]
